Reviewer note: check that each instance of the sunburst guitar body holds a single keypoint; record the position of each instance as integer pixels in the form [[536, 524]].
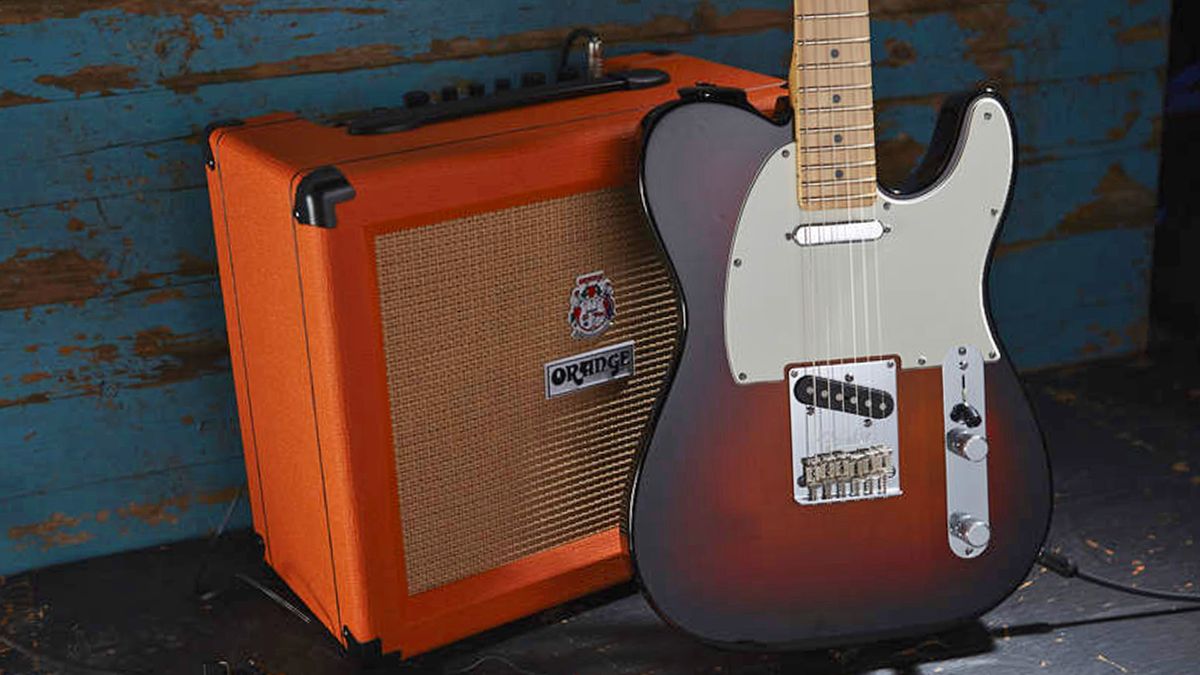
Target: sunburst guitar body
[[844, 452]]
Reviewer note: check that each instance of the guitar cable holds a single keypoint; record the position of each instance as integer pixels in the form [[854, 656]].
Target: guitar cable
[[1064, 567]]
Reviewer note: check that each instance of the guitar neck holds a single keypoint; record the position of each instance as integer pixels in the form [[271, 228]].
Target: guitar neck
[[830, 86]]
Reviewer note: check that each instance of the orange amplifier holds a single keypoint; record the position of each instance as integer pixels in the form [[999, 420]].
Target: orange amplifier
[[419, 303]]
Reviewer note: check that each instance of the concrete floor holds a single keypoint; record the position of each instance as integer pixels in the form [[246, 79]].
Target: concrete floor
[[1124, 439]]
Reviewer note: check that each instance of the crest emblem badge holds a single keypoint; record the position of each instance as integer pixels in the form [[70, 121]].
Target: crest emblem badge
[[592, 305]]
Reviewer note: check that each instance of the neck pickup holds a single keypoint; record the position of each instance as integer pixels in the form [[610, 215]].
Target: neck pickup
[[837, 233]]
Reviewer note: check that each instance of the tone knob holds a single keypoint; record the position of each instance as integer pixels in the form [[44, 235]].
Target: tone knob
[[971, 530], [966, 444]]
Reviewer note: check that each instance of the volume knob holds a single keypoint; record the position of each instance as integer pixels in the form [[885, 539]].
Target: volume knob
[[966, 444], [971, 530]]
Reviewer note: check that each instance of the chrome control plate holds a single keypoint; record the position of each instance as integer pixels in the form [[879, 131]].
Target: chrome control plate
[[845, 432], [964, 409]]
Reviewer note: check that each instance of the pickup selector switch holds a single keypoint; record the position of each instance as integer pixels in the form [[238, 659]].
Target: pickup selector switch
[[967, 445], [971, 530]]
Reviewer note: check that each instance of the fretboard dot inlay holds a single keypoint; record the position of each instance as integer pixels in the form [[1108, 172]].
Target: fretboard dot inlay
[[837, 138], [840, 173], [834, 53], [837, 98]]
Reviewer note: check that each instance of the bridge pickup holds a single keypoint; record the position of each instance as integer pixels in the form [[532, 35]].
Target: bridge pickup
[[830, 394]]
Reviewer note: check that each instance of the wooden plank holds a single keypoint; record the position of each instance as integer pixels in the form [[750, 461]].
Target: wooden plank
[[103, 346], [116, 515], [1074, 299], [70, 443]]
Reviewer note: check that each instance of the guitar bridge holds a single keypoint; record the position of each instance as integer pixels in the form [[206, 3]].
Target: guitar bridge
[[851, 474], [845, 434]]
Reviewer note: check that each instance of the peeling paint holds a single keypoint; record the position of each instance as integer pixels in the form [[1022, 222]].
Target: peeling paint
[[899, 53], [990, 45], [34, 11], [10, 98], [93, 79], [60, 529], [51, 533], [706, 20], [1119, 132], [1143, 32], [897, 156], [179, 357], [360, 11], [35, 277], [164, 295], [39, 397], [1120, 202], [167, 511]]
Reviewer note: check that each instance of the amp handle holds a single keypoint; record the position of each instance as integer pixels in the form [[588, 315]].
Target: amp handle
[[404, 119]]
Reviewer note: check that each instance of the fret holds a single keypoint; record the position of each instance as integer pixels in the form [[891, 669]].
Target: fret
[[861, 127], [831, 94], [836, 109], [834, 41], [833, 66], [833, 15], [836, 87], [829, 148], [842, 198], [838, 165], [837, 182]]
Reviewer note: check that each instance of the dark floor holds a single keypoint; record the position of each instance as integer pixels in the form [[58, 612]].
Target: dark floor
[[1124, 439]]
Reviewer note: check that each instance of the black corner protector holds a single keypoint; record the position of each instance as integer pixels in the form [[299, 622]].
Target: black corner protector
[[783, 108], [370, 653], [318, 195], [210, 159], [260, 545]]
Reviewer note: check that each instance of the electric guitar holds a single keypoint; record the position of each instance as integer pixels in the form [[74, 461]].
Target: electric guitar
[[844, 452]]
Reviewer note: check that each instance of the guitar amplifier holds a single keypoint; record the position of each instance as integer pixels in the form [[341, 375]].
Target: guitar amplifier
[[448, 331]]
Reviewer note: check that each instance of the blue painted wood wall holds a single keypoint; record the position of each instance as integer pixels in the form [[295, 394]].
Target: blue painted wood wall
[[117, 420]]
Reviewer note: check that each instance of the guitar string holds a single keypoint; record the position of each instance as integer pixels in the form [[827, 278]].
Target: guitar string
[[870, 213], [817, 422], [824, 284], [880, 349], [866, 213], [798, 83], [831, 280], [840, 154]]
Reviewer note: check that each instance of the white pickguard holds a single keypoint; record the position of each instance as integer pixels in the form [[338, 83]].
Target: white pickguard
[[914, 292]]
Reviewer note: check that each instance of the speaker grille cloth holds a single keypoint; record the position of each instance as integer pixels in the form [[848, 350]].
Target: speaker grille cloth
[[489, 470]]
